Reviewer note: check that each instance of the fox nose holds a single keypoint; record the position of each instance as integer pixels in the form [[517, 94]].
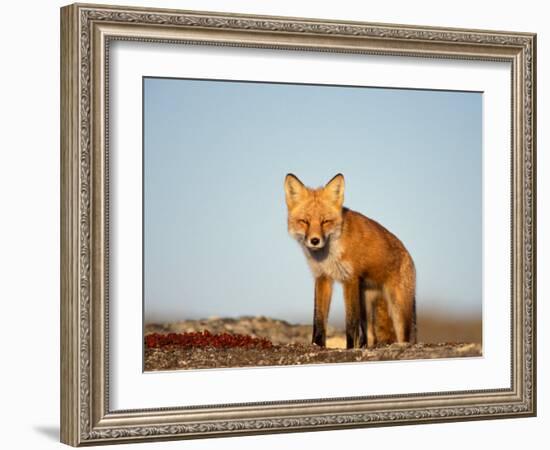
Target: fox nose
[[314, 241]]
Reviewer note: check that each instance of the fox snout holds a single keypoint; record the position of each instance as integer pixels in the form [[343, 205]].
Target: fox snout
[[315, 243], [315, 240], [306, 234]]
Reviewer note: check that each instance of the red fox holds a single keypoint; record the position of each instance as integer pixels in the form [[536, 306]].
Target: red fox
[[376, 270]]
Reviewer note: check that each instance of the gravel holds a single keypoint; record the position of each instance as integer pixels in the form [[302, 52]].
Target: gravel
[[291, 347], [297, 354]]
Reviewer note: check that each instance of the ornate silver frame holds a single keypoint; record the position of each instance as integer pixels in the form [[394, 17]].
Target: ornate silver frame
[[86, 31]]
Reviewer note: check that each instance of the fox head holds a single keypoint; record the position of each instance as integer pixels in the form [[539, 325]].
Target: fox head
[[314, 215]]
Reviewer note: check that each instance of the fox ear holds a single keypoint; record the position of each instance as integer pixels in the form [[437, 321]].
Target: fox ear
[[335, 189], [294, 189]]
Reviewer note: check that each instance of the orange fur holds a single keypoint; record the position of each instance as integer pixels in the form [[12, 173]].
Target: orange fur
[[374, 267]]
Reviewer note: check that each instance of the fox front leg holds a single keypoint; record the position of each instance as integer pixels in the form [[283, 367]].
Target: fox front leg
[[353, 312], [323, 294]]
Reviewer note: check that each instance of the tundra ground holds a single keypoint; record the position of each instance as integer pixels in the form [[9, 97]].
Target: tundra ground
[[261, 341]]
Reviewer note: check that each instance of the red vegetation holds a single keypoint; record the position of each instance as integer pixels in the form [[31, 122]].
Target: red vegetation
[[204, 339]]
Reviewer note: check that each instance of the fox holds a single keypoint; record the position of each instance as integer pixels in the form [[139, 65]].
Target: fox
[[375, 269]]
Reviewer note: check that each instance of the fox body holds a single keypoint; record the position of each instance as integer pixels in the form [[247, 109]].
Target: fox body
[[374, 267]]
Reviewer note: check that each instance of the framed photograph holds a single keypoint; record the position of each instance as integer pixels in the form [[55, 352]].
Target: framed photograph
[[275, 224]]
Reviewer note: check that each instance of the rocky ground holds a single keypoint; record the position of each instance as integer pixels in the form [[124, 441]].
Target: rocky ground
[[291, 346], [277, 331]]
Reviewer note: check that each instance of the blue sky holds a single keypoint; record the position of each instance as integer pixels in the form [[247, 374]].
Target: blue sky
[[215, 157]]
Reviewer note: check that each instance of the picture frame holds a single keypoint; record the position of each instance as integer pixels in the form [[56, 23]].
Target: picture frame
[[87, 33]]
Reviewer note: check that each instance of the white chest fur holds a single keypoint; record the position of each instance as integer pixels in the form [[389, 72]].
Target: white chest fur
[[329, 263]]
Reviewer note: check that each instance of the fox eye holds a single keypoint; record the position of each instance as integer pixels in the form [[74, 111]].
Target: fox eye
[[303, 222], [327, 222]]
